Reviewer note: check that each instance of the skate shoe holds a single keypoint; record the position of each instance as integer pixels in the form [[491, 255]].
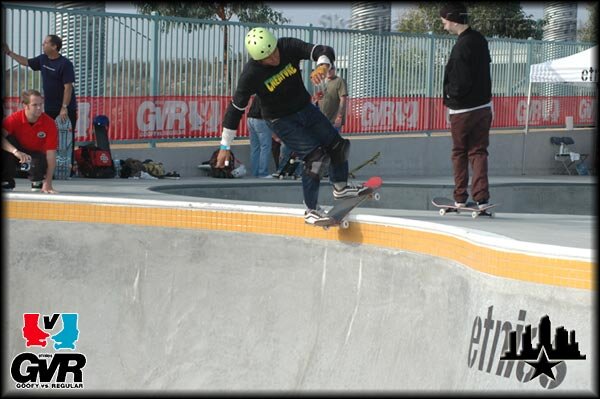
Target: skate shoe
[[8, 186], [482, 204], [349, 191], [313, 215], [36, 185], [460, 204]]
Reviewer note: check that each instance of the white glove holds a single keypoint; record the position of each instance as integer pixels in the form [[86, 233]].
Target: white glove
[[227, 137]]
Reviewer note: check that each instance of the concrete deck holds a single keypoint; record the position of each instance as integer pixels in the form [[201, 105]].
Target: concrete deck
[[556, 229]]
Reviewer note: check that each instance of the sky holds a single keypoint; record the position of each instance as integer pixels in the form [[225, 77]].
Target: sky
[[333, 15], [337, 15]]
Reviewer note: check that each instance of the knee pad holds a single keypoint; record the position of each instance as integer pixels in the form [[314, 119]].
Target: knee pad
[[316, 163], [339, 150]]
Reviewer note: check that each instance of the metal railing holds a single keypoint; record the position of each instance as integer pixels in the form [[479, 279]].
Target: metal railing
[[171, 78]]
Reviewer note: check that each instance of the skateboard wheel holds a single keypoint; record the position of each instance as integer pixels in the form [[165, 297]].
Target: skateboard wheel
[[376, 196], [492, 214], [345, 224], [280, 177], [291, 161], [474, 214], [442, 211]]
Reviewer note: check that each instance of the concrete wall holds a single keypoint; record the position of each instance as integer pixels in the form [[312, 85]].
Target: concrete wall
[[403, 155], [175, 309]]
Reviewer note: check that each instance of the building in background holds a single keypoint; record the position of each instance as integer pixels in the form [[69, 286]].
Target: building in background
[[84, 43]]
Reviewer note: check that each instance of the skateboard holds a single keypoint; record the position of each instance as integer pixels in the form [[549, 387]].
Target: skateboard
[[337, 215], [291, 168], [65, 149], [446, 205], [372, 160], [100, 124]]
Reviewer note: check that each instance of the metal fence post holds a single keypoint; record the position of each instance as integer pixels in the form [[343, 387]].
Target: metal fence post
[[307, 71], [154, 60], [430, 69]]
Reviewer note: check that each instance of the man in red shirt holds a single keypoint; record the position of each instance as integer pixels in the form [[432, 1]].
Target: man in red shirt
[[29, 136]]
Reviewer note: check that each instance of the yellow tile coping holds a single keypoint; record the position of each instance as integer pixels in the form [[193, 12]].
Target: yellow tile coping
[[549, 269]]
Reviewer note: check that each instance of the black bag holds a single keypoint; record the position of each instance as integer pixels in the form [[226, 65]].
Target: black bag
[[220, 173], [94, 162]]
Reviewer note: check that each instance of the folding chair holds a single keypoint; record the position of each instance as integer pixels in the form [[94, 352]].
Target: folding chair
[[568, 158]]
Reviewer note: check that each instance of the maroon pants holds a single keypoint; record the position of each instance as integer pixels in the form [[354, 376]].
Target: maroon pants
[[470, 140]]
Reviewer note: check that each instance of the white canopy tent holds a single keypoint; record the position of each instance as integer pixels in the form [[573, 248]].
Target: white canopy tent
[[579, 68]]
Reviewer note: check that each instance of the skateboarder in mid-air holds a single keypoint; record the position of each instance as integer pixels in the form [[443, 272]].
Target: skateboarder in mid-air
[[273, 74]]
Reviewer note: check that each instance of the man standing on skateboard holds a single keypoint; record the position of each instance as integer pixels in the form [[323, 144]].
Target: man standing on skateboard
[[468, 95], [29, 136], [273, 74]]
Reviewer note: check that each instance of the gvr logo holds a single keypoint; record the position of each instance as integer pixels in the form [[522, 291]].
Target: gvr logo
[[31, 367]]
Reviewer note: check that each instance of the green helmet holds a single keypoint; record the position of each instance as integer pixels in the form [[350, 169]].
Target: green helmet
[[260, 43]]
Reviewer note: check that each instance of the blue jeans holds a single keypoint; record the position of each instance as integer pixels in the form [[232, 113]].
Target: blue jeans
[[303, 132], [260, 146]]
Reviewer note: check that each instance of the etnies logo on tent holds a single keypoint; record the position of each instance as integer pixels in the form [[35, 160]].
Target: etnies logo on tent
[[61, 369]]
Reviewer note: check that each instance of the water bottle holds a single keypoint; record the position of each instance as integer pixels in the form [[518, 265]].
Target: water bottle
[[117, 163]]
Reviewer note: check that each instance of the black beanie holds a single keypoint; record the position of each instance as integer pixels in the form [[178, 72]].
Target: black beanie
[[455, 12]]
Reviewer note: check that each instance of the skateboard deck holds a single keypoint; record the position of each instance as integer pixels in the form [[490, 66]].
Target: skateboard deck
[[337, 215], [372, 160], [446, 205], [102, 140], [65, 149]]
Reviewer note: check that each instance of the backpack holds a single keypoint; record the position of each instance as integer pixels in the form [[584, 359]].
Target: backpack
[[154, 168], [131, 168], [221, 173], [94, 162]]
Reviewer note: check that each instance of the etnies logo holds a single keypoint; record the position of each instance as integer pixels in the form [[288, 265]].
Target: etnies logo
[[496, 347], [49, 370]]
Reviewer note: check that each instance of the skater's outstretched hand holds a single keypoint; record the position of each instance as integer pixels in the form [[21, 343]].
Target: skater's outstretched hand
[[6, 49], [222, 157]]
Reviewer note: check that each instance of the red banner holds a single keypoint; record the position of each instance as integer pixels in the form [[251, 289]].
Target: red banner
[[187, 117]]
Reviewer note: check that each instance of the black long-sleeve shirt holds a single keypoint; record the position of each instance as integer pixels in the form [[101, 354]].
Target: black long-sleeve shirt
[[254, 110], [467, 80], [280, 88]]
